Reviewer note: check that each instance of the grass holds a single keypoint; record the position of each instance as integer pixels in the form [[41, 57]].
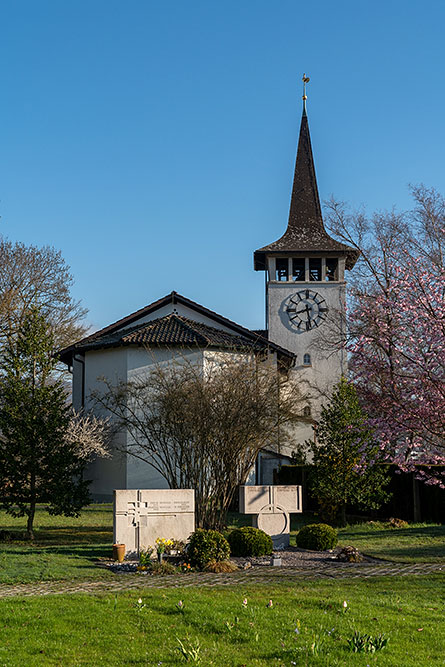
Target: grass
[[420, 542], [115, 630], [93, 526], [65, 548], [68, 548], [105, 629]]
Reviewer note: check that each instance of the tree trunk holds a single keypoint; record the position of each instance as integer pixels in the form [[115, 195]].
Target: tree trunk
[[416, 500], [343, 515], [29, 526]]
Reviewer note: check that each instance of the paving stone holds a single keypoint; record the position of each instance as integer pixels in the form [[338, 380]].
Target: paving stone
[[208, 579]]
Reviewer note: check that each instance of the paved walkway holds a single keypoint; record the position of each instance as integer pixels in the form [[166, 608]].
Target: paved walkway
[[125, 582]]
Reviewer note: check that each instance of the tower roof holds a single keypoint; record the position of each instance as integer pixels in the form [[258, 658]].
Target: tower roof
[[305, 229]]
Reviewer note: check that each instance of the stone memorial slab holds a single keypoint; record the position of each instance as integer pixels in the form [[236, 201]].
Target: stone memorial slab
[[142, 515], [271, 506]]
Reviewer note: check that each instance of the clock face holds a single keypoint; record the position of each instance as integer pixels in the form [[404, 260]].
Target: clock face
[[306, 310]]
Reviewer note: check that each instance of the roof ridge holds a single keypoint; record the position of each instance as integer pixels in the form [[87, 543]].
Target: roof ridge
[[235, 330], [198, 334]]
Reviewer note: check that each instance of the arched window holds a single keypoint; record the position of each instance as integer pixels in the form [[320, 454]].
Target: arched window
[[307, 359], [306, 411]]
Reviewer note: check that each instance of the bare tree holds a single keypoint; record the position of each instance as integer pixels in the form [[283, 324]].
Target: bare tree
[[202, 427], [37, 277]]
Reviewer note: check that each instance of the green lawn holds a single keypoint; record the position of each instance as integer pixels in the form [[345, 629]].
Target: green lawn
[[420, 542], [68, 548], [93, 526], [64, 548], [111, 629]]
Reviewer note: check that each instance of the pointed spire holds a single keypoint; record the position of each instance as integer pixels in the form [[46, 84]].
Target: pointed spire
[[305, 229], [305, 210]]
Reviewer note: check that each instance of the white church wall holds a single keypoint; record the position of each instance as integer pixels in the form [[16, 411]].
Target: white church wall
[[78, 381], [182, 310], [216, 359], [140, 360], [109, 473], [110, 364]]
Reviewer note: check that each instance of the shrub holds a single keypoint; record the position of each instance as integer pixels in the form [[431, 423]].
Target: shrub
[[249, 541], [398, 523], [350, 555], [162, 568], [220, 566], [317, 536], [207, 545]]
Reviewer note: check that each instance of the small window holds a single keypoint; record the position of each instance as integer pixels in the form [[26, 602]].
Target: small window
[[282, 269], [315, 269], [306, 411], [298, 269], [331, 268], [307, 359]]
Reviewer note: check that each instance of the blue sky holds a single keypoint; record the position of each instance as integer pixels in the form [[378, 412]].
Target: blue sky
[[153, 143]]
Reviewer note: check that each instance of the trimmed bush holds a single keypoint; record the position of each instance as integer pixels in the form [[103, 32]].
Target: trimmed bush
[[249, 541], [205, 546], [317, 536]]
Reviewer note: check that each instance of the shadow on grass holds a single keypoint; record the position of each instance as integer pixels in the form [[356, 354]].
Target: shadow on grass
[[64, 535], [413, 543], [411, 532], [91, 552]]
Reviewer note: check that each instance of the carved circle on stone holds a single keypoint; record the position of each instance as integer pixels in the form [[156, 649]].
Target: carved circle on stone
[[273, 520]]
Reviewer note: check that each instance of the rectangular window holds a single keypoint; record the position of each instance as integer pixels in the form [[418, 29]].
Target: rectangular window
[[282, 269], [315, 269], [331, 268], [298, 269]]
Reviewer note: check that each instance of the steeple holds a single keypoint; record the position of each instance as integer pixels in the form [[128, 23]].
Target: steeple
[[305, 229]]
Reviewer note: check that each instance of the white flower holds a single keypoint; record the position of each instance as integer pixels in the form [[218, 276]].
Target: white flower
[[345, 604], [140, 601], [245, 602]]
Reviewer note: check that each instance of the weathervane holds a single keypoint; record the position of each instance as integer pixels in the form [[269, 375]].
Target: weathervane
[[306, 80]]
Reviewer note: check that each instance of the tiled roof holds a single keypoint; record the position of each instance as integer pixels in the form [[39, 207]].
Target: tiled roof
[[113, 334], [261, 332], [172, 330], [305, 230], [176, 330]]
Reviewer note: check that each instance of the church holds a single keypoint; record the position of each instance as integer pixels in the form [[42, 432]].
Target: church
[[305, 292]]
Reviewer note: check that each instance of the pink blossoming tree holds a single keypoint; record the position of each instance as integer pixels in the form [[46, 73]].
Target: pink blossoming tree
[[397, 327]]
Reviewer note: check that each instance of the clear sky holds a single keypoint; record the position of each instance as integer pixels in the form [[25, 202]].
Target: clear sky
[[153, 142]]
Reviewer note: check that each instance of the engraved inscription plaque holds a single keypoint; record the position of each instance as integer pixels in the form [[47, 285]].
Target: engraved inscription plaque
[[142, 515]]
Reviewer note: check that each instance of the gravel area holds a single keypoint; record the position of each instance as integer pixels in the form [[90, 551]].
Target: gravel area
[[290, 557], [301, 558]]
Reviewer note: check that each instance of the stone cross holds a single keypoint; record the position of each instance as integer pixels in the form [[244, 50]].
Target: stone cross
[[142, 515], [271, 506]]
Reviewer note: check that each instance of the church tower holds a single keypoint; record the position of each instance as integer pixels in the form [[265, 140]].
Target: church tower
[[305, 285]]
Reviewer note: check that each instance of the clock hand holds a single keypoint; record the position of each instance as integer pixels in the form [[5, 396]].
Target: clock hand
[[297, 312]]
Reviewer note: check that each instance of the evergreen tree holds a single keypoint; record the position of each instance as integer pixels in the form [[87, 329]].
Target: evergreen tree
[[38, 463], [346, 456]]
